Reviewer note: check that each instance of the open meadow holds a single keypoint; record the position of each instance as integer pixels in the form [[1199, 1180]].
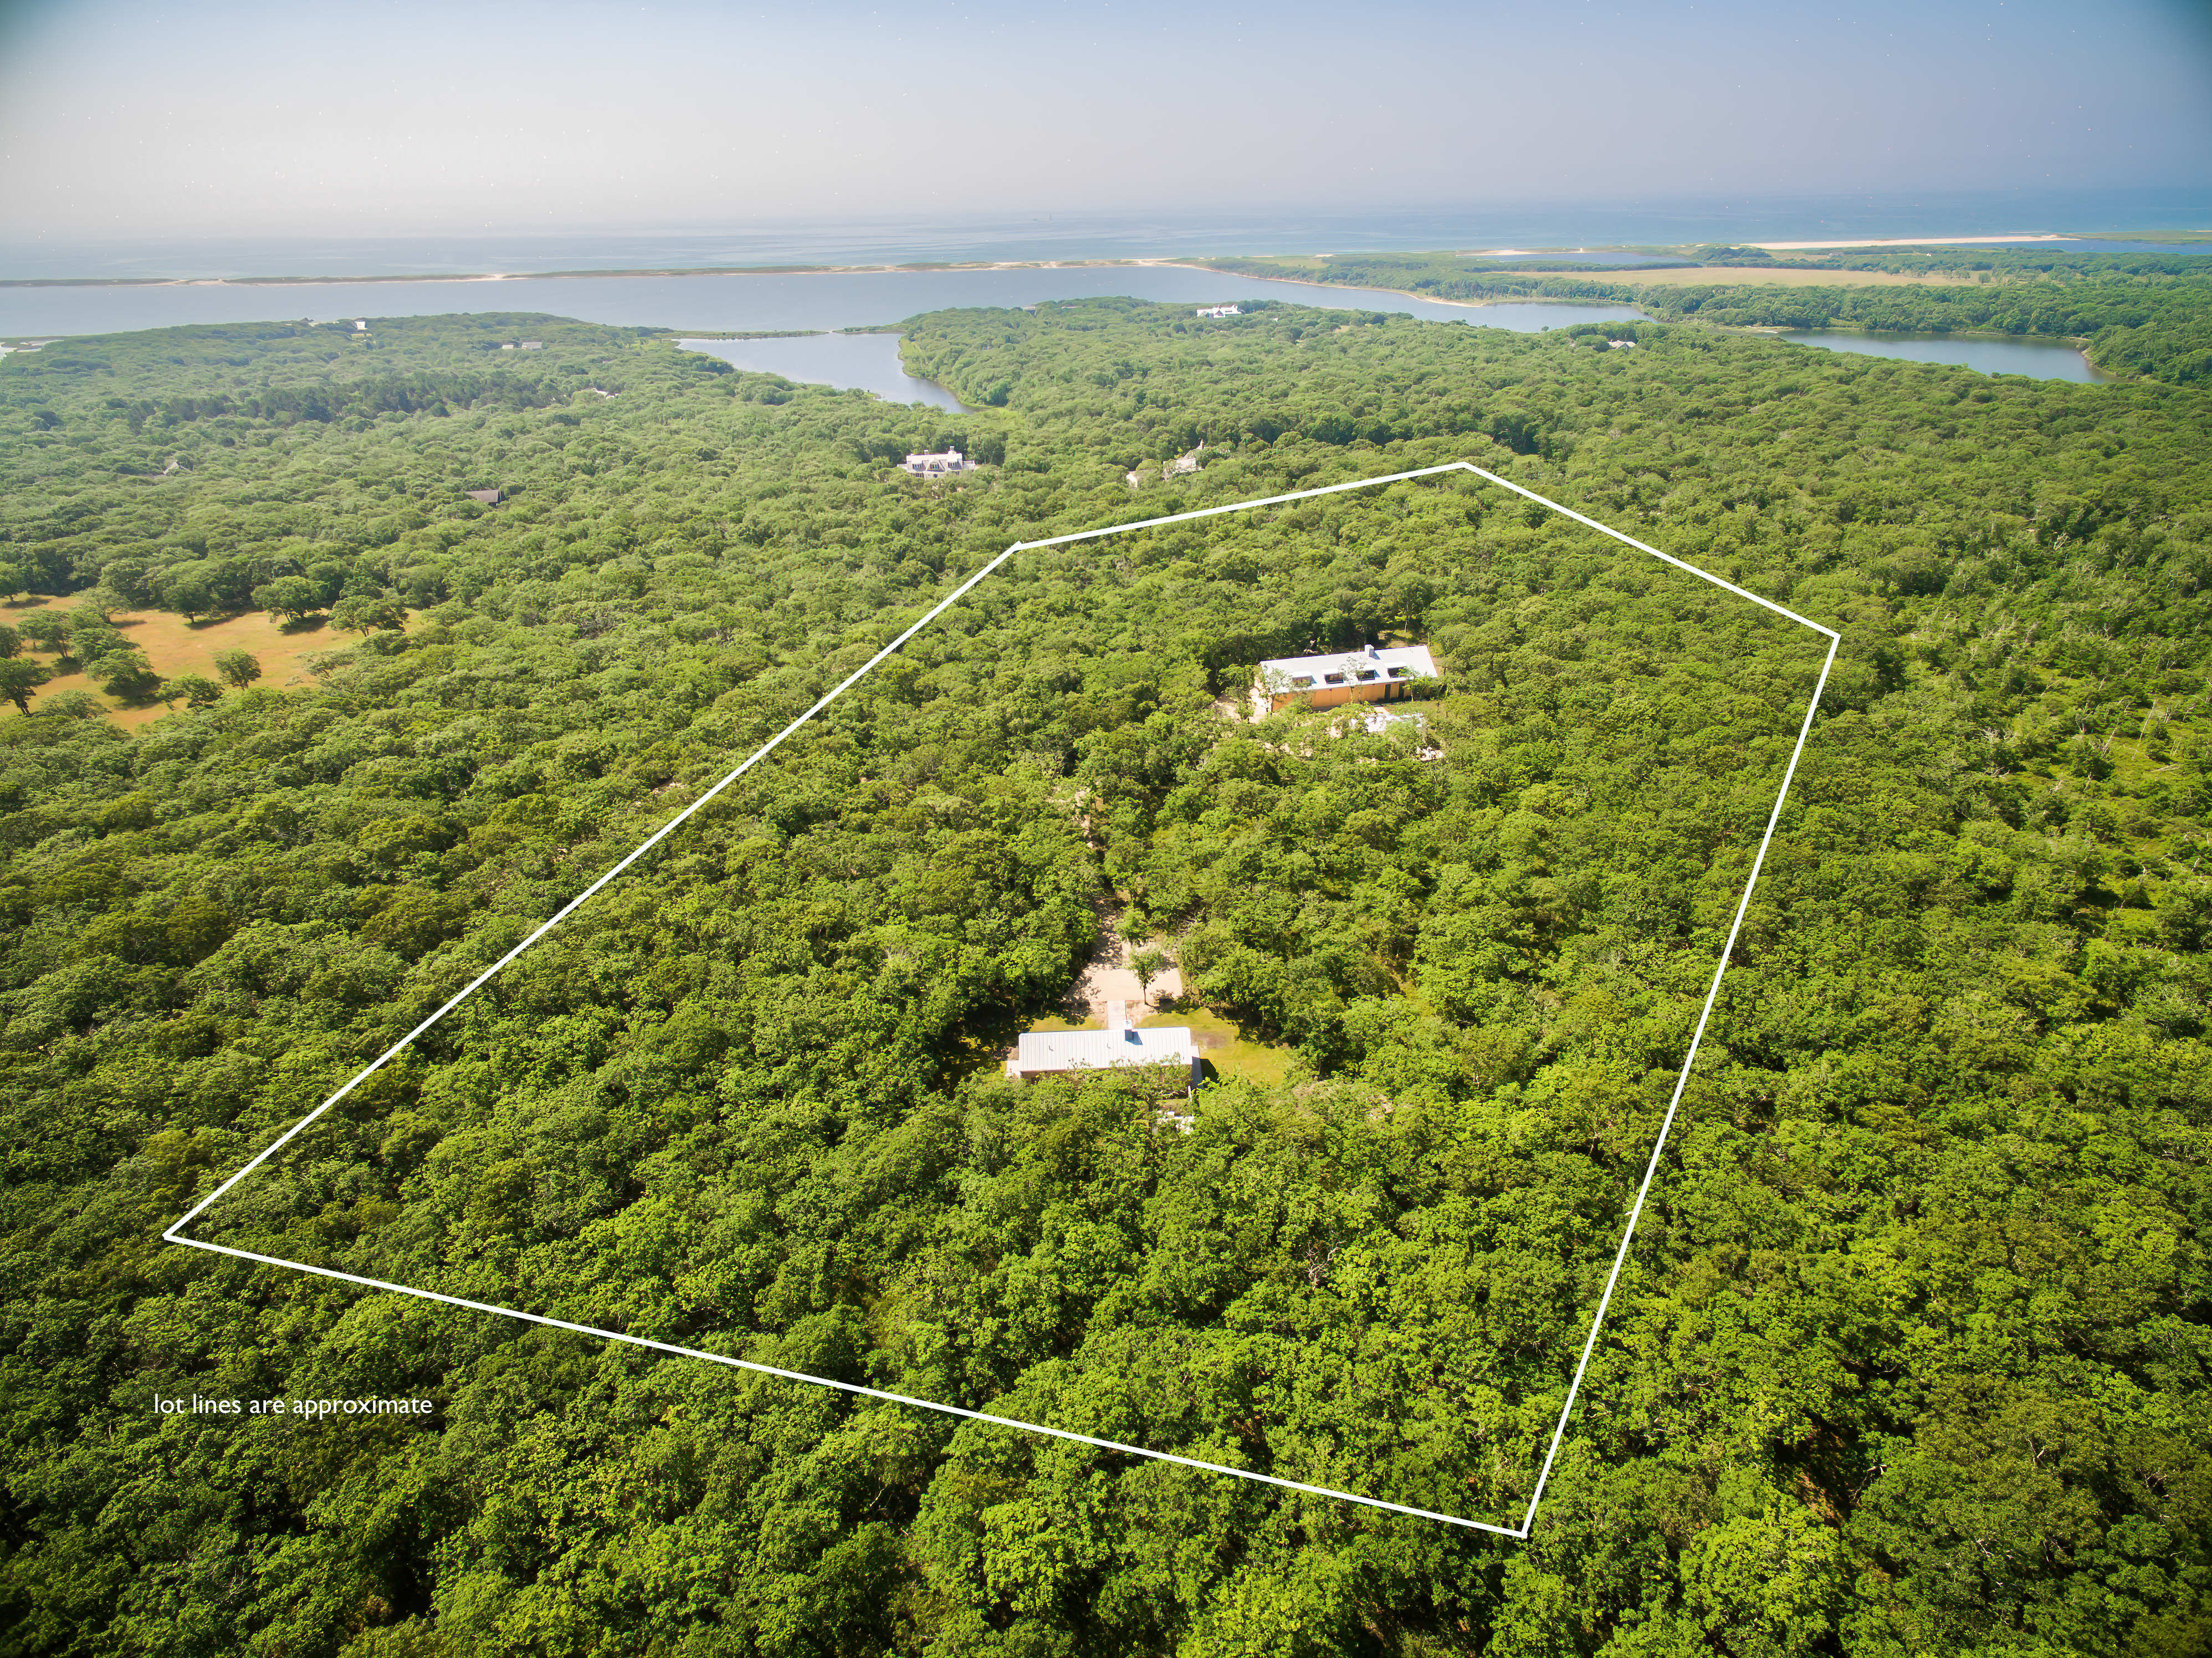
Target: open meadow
[[176, 647]]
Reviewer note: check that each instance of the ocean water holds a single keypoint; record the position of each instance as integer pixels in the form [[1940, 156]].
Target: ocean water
[[714, 304], [191, 287], [1044, 235]]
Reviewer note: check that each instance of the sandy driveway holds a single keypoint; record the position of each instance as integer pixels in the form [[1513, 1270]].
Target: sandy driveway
[[1107, 979]]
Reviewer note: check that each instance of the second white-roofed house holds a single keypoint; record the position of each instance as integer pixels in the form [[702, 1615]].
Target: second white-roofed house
[[1120, 1046], [1373, 673]]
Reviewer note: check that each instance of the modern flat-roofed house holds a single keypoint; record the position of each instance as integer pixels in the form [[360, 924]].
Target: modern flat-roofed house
[[938, 465], [1117, 1048], [1376, 674], [1219, 311], [489, 497]]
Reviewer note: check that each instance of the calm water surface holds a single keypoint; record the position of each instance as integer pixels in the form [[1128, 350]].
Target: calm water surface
[[870, 362], [715, 303], [1214, 231], [2041, 359], [868, 299]]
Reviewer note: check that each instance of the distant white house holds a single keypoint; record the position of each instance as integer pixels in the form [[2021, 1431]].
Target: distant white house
[[533, 346], [1620, 345], [938, 465], [1179, 466], [1219, 310], [361, 324]]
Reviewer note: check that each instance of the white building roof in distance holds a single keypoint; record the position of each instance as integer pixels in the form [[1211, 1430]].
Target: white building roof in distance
[[1043, 1052], [1307, 673]]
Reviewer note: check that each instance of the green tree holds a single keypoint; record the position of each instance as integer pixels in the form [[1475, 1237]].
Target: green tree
[[20, 677], [47, 628], [15, 580], [195, 690], [127, 674], [11, 643], [102, 603], [1148, 965], [238, 669], [367, 614], [127, 577], [192, 596], [73, 705], [90, 639], [289, 599]]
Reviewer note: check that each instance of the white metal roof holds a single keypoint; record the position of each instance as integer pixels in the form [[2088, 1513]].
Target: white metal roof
[[1352, 667], [1094, 1050]]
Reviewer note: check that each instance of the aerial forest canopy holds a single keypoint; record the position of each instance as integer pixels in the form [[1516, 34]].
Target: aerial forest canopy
[[1910, 1355]]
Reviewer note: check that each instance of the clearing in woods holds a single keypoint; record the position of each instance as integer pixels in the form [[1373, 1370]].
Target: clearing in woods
[[176, 646]]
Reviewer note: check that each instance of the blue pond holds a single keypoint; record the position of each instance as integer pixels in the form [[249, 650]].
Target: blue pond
[[2042, 359]]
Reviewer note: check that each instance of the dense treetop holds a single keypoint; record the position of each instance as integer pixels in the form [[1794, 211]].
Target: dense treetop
[[1910, 1355]]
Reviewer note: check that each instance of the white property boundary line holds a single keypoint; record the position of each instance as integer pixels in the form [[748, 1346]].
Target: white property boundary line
[[175, 1233]]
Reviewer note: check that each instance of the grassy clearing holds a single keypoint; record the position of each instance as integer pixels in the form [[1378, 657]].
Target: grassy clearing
[[1231, 1054], [176, 646]]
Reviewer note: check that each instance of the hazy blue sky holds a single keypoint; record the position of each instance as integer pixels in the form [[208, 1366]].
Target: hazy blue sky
[[387, 117]]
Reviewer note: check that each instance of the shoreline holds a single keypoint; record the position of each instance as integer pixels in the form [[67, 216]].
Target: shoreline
[[807, 270], [570, 275], [1185, 262]]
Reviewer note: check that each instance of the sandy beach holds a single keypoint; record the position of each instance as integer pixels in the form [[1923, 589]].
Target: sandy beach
[[1629, 273]]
